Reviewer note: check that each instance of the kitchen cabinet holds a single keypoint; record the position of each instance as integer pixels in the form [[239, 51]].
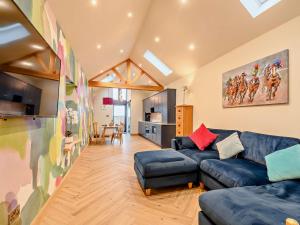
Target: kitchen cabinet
[[160, 134], [164, 103]]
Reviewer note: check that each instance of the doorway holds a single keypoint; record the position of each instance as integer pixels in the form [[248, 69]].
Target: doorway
[[121, 108]]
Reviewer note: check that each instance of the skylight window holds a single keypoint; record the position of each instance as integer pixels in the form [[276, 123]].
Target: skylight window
[[12, 33], [257, 7], [155, 61], [108, 78]]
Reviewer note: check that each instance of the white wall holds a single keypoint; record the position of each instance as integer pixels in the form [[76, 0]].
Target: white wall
[[103, 114], [206, 87]]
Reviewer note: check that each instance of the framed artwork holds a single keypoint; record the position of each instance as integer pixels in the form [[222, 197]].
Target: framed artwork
[[263, 82]]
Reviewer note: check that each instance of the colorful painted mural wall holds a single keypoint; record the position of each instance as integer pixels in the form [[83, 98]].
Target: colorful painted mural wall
[[32, 161]]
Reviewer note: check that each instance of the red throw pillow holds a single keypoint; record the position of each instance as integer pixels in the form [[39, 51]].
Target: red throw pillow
[[202, 137]]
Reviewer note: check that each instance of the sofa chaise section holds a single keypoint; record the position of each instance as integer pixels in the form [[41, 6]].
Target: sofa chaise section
[[263, 205]]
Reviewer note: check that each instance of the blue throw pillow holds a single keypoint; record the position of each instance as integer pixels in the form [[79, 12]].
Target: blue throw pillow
[[284, 164]]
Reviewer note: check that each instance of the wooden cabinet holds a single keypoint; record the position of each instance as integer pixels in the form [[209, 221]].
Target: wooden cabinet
[[184, 120]]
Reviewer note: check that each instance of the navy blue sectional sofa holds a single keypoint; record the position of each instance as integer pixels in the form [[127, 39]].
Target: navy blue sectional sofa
[[244, 196]]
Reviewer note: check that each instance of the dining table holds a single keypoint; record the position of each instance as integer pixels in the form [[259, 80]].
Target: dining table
[[109, 130]]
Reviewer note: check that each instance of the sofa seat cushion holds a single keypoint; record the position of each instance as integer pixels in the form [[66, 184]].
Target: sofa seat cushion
[[235, 172], [263, 205], [163, 163], [199, 156]]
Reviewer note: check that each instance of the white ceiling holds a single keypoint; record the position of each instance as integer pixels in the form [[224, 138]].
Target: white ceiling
[[213, 26]]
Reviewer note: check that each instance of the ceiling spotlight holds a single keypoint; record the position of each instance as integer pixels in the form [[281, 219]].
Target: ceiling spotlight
[[140, 65], [99, 46], [25, 63], [101, 71], [183, 1], [191, 47], [3, 5], [37, 47], [94, 2], [129, 14], [121, 51], [157, 39]]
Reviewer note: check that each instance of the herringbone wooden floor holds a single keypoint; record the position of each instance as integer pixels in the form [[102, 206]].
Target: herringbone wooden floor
[[102, 188]]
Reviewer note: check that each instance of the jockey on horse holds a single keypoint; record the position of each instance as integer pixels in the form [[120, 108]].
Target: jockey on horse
[[274, 79], [254, 83]]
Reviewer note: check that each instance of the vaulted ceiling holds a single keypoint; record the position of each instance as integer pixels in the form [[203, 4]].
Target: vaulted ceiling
[[188, 33]]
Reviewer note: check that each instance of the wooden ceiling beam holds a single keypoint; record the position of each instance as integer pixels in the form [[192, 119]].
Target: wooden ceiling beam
[[126, 81], [106, 71], [38, 74], [41, 62], [136, 77], [124, 86], [120, 76], [128, 70], [147, 74]]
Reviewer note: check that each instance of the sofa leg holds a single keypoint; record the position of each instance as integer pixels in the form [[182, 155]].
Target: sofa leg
[[190, 185], [202, 186], [148, 191]]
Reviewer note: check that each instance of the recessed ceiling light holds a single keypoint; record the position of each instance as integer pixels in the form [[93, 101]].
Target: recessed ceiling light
[[191, 47], [3, 4], [129, 14], [183, 1], [140, 65], [121, 51], [157, 39], [99, 46], [37, 47], [94, 2], [25, 63], [101, 71]]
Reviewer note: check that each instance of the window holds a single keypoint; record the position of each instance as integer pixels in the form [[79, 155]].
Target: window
[[155, 61], [12, 33], [119, 96], [108, 78], [257, 7]]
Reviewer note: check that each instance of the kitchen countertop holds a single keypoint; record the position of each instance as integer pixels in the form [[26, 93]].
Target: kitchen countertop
[[158, 123]]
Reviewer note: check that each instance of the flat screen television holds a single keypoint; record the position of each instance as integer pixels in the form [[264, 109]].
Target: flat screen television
[[29, 68]]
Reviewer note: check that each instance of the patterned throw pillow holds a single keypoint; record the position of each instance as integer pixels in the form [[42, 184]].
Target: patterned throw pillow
[[230, 146]]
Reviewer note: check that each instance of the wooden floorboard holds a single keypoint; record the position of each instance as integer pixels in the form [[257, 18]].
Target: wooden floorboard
[[102, 188]]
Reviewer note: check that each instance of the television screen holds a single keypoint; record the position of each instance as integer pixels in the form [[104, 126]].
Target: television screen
[[29, 68]]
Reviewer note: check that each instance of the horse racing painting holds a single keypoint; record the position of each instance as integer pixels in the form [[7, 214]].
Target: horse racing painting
[[263, 82]]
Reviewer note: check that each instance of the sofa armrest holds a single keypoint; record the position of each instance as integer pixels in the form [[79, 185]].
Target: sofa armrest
[[183, 142], [174, 144]]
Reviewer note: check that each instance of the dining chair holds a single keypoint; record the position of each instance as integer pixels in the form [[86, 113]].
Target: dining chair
[[96, 135], [107, 132], [119, 133]]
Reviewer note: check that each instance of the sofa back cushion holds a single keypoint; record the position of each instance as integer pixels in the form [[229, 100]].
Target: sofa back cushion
[[222, 134], [187, 143], [257, 146]]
